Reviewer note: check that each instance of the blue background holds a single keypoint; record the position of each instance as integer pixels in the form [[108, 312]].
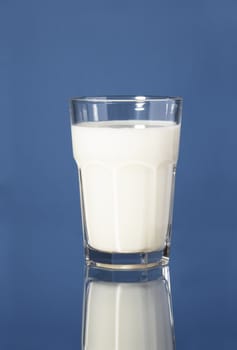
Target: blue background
[[52, 50]]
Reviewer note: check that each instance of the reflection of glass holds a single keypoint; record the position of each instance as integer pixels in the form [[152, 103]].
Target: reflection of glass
[[126, 150], [128, 310]]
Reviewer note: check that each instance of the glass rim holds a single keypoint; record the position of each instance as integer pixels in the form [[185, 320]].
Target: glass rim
[[126, 98]]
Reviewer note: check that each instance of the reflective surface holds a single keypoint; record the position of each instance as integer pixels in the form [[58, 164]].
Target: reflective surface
[[127, 310], [41, 299]]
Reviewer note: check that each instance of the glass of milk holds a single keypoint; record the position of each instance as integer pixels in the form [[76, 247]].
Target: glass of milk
[[126, 151], [128, 311]]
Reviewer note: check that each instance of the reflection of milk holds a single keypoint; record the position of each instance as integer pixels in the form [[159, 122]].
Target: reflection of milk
[[126, 171], [128, 316]]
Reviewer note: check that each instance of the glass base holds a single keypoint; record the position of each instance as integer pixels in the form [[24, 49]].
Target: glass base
[[126, 261]]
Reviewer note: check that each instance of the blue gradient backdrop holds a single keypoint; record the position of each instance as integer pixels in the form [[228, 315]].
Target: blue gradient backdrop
[[52, 50]]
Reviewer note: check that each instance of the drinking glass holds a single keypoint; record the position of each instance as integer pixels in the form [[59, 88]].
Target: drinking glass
[[126, 150]]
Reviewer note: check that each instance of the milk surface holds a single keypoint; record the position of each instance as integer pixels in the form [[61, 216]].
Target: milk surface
[[126, 172], [128, 316]]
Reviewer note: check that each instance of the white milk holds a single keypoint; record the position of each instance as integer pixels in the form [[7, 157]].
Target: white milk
[[128, 316], [127, 172]]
